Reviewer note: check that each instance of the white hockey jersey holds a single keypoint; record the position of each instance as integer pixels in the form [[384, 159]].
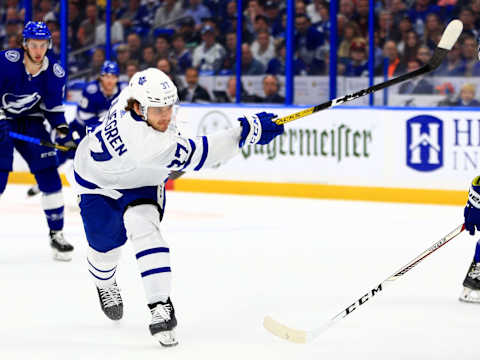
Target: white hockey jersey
[[126, 153]]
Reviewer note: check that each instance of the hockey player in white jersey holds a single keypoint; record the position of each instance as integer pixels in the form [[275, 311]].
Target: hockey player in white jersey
[[120, 170]]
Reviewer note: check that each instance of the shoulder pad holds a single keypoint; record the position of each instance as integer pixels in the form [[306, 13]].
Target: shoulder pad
[[12, 55], [92, 88]]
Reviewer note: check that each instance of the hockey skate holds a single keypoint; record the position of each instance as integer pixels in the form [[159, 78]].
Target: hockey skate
[[111, 301], [471, 285], [62, 250], [163, 323]]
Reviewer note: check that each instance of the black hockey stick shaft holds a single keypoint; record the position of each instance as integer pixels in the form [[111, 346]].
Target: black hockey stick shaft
[[42, 142], [435, 62]]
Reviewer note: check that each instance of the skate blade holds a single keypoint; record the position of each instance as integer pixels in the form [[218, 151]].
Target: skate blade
[[166, 338], [62, 256], [470, 296]]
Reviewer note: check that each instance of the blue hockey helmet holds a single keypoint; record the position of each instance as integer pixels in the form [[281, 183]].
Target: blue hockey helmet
[[110, 67], [36, 30]]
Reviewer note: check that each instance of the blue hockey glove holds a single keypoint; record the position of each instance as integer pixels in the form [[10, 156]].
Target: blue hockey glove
[[259, 129], [4, 127], [472, 210]]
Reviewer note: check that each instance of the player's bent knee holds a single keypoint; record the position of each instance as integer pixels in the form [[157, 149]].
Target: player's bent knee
[[141, 220], [111, 256]]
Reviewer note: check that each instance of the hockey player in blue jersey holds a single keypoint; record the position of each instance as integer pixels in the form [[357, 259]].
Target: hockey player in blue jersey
[[32, 85], [120, 170], [97, 97]]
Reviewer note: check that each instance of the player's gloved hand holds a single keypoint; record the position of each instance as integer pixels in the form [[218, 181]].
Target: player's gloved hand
[[259, 129], [69, 140], [4, 127], [60, 132], [472, 210]]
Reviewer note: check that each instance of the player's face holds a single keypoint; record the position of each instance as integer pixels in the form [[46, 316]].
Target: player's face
[[159, 117], [36, 50], [109, 81]]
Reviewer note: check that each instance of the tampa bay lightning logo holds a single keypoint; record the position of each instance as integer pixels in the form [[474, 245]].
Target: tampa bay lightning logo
[[16, 104], [12, 55], [58, 70], [142, 80]]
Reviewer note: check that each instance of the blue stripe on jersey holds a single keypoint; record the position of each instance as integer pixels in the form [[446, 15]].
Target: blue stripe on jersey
[[152, 251], [85, 183], [204, 154], [103, 271], [156, 271], [99, 278], [192, 145]]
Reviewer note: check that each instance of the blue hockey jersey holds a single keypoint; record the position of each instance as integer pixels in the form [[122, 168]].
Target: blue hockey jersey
[[94, 104], [23, 95]]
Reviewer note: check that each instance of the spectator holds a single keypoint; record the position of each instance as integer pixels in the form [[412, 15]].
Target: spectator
[[228, 66], [250, 65], [131, 68], [167, 14], [162, 47], [350, 32], [399, 11], [187, 30], [385, 30], [229, 95], [74, 21], [410, 46], [180, 54], [417, 85], [272, 12], [197, 11], [168, 68], [252, 11], [263, 48], [133, 19], [12, 28], [98, 58], [361, 17], [271, 87], [323, 27], [395, 65], [418, 13], [208, 56], [475, 6], [469, 53], [454, 65], [116, 32], [467, 17], [86, 31], [313, 11], [260, 24], [14, 42], [123, 56], [56, 42], [424, 54], [467, 96], [148, 57], [300, 8], [448, 90], [134, 44], [433, 30], [193, 92], [347, 9], [307, 39], [357, 64], [276, 66]]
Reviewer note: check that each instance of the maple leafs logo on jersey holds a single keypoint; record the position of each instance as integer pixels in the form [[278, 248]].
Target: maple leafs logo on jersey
[[16, 104], [142, 80]]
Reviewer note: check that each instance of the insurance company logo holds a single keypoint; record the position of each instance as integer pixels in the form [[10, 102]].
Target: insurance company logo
[[424, 143]]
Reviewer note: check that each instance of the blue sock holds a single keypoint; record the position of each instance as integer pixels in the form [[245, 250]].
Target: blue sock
[[476, 258], [55, 218]]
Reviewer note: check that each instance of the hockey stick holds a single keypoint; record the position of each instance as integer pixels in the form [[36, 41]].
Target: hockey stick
[[38, 141], [449, 38], [302, 336]]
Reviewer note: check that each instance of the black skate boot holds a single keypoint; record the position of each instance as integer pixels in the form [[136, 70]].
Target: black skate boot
[[34, 190], [163, 322], [111, 301], [62, 250], [471, 284]]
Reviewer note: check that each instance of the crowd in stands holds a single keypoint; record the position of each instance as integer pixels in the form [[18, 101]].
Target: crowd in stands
[[192, 38]]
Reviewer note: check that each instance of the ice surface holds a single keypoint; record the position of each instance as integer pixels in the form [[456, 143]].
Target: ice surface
[[236, 259]]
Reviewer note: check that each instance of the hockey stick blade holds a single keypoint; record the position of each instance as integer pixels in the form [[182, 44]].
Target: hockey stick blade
[[448, 39], [302, 336]]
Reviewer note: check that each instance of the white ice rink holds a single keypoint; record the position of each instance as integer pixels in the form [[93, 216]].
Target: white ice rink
[[234, 260]]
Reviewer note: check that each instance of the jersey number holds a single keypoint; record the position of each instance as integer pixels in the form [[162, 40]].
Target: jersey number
[[177, 162], [101, 156]]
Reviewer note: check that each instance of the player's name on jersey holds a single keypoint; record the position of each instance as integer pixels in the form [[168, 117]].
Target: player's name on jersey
[[340, 143], [112, 135]]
